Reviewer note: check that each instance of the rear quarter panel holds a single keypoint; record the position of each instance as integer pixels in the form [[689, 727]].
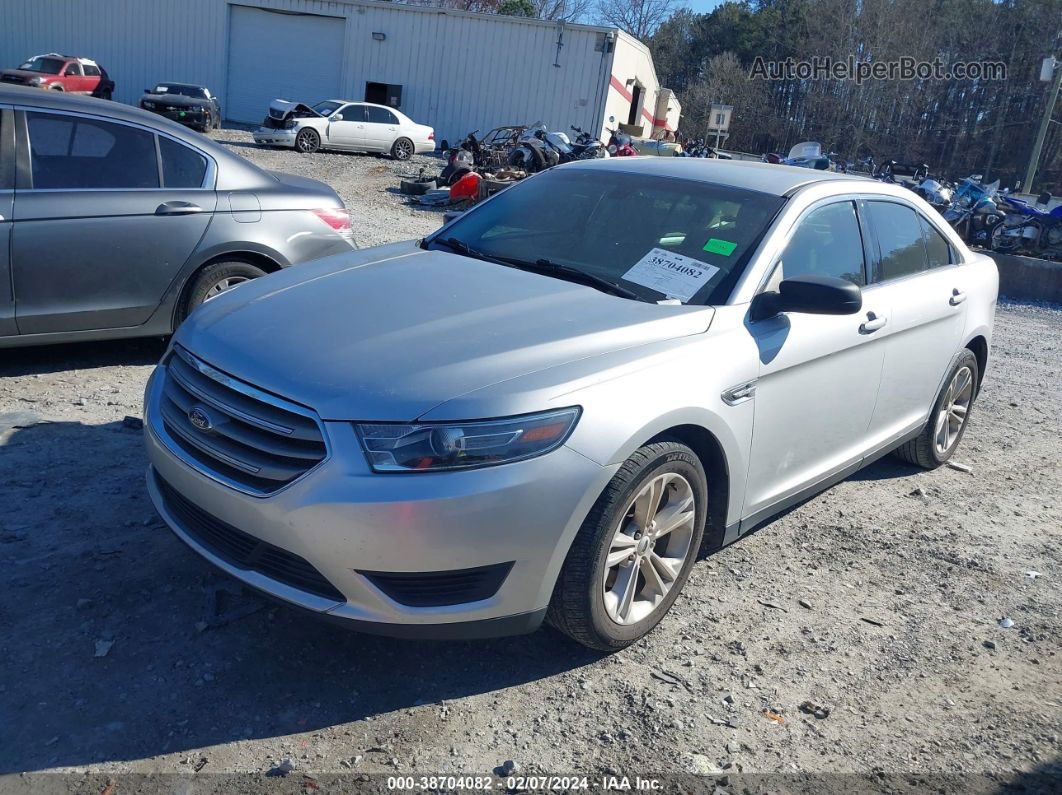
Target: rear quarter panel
[[983, 292]]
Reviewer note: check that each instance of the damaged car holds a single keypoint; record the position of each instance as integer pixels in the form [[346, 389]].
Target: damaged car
[[344, 125], [185, 103]]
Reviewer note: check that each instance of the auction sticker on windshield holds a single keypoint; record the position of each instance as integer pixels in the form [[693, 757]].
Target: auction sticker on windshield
[[672, 274]]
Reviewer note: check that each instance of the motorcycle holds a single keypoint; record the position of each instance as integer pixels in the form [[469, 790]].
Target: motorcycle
[[619, 145], [808, 154], [461, 160], [973, 212], [535, 151], [938, 194], [1028, 228], [586, 146]]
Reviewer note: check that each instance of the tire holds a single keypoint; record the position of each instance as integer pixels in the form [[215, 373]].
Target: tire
[[207, 283], [307, 141], [413, 187], [587, 602], [402, 149], [999, 240], [208, 123], [925, 449], [55, 87]]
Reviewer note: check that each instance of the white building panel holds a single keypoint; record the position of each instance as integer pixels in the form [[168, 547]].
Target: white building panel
[[458, 71], [313, 42]]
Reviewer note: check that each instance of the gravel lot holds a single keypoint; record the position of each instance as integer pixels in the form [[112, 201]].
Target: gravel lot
[[879, 601]]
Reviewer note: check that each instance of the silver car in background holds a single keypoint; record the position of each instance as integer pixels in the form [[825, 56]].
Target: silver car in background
[[116, 222], [550, 407]]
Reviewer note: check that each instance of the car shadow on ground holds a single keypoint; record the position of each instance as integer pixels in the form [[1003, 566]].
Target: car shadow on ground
[[123, 644], [38, 360]]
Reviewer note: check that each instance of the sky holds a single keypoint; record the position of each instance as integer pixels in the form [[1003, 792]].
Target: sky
[[702, 6]]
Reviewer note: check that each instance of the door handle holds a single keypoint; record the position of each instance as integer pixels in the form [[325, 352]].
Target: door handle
[[957, 297], [872, 323], [177, 208]]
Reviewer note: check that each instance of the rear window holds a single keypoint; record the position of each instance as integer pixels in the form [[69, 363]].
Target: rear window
[[182, 166], [380, 115], [899, 236], [658, 237], [937, 248], [71, 152]]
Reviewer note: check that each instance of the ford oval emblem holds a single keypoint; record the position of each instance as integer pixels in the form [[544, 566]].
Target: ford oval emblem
[[200, 419]]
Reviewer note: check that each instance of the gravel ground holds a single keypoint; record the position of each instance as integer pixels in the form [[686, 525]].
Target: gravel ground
[[877, 604]]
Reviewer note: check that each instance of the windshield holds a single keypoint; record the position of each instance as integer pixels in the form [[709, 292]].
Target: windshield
[[327, 108], [48, 66], [657, 237]]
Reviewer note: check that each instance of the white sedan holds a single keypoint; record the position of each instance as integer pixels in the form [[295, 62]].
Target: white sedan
[[341, 124]]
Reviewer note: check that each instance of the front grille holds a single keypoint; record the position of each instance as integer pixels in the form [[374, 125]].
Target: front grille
[[252, 440], [245, 551], [18, 79], [440, 588]]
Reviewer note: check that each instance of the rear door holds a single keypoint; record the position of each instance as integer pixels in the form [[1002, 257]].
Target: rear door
[[381, 128], [346, 127], [919, 274], [105, 215], [7, 195]]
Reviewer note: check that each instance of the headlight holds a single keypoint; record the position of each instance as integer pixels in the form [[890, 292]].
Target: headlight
[[428, 447], [35, 81]]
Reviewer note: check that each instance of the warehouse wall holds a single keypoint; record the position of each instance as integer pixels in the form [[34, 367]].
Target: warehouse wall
[[458, 71]]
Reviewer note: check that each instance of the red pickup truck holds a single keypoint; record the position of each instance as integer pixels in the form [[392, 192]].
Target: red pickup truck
[[62, 73]]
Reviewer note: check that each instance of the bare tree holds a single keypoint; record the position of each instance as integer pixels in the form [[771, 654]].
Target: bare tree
[[640, 18], [562, 10]]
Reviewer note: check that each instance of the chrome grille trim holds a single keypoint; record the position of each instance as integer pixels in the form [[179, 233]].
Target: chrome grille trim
[[254, 442]]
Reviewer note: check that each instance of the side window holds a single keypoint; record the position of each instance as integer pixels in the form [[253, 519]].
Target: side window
[[351, 113], [380, 115], [92, 71], [937, 247], [70, 152], [182, 166], [826, 243], [899, 236], [72, 70]]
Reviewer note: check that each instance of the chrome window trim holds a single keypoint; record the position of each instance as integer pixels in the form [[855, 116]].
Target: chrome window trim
[[209, 179]]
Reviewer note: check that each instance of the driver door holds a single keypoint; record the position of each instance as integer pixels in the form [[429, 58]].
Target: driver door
[[818, 374], [7, 183], [346, 127]]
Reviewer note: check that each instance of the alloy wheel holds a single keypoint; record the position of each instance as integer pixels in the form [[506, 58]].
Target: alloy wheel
[[649, 548], [223, 286], [403, 149], [953, 411]]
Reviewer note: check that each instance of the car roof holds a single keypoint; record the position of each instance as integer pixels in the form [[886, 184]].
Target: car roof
[[777, 180], [181, 85]]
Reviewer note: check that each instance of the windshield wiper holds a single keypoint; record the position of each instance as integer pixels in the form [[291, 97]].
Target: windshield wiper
[[550, 268], [461, 247], [543, 266]]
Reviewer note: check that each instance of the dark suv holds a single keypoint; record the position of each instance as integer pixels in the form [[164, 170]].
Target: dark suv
[[115, 222]]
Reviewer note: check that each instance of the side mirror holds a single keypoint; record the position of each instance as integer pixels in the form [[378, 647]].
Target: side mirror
[[812, 295]]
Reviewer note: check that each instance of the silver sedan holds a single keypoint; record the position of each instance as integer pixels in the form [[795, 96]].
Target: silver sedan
[[552, 406]]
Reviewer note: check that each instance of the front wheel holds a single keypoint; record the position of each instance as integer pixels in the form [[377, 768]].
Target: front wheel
[[1001, 240], [402, 149], [948, 419], [308, 141], [635, 549]]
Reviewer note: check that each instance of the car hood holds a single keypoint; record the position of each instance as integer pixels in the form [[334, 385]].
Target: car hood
[[25, 73], [281, 109], [392, 332], [176, 100]]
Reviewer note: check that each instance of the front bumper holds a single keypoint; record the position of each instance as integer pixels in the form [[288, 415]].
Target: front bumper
[[191, 117], [274, 137], [351, 524]]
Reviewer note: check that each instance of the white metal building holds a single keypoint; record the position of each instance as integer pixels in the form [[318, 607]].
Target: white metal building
[[454, 70]]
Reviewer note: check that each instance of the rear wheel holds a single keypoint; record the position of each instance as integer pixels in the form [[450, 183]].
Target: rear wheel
[[402, 149], [219, 278], [308, 141], [947, 421], [635, 549]]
